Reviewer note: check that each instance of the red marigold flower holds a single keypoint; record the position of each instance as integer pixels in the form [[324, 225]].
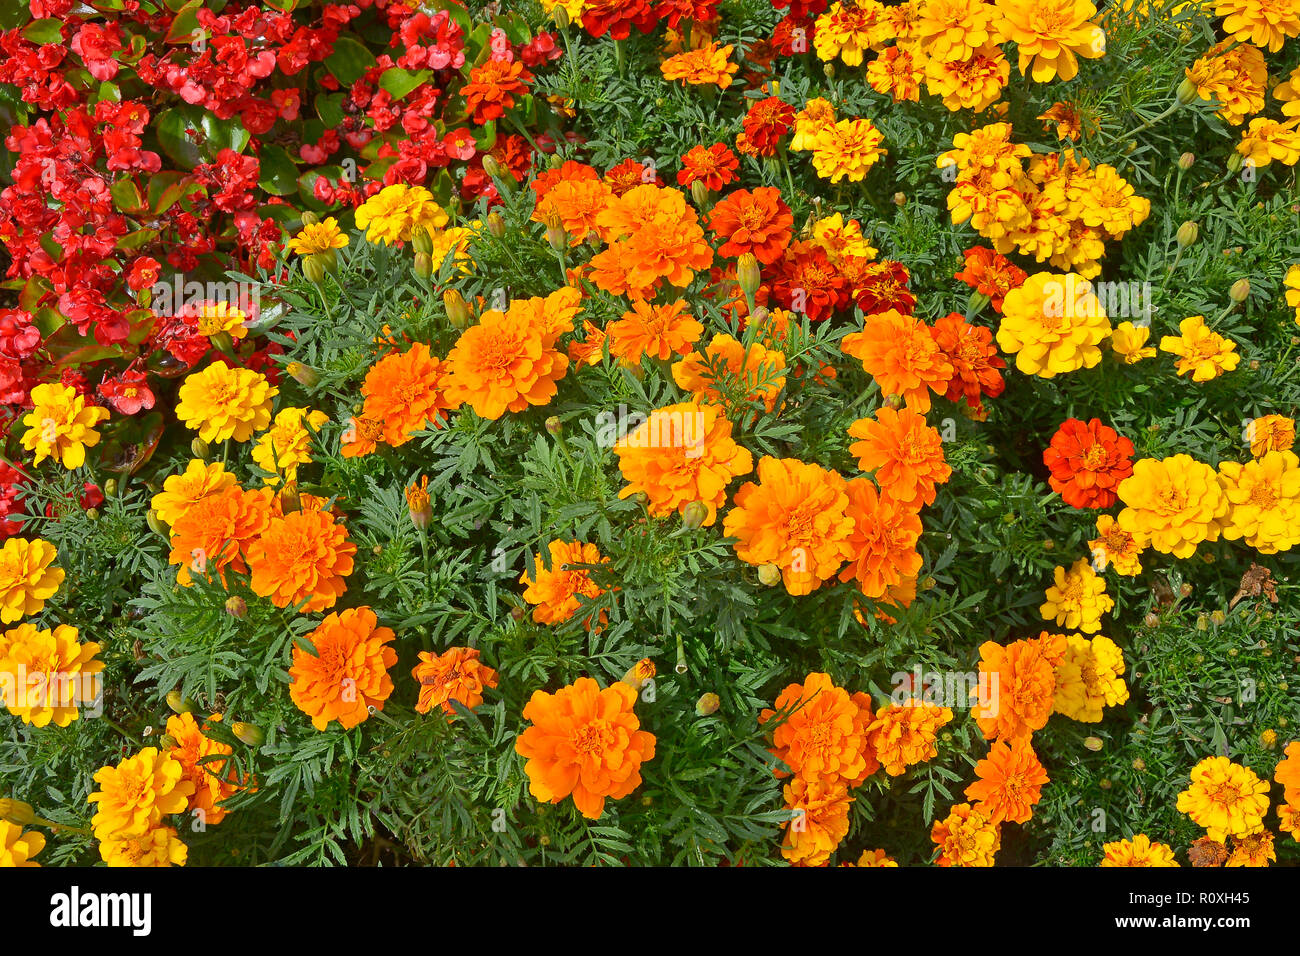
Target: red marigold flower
[[764, 125], [1088, 462], [807, 282], [618, 17], [715, 166], [879, 286], [757, 222], [991, 274], [629, 174], [975, 361]]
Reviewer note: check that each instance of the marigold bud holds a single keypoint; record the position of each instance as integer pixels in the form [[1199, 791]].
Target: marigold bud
[[421, 241], [1186, 92], [1188, 233], [977, 303], [423, 265], [290, 500], [1234, 163], [309, 218], [748, 274], [458, 315], [155, 523], [237, 607], [556, 237], [168, 742], [700, 194], [110, 487], [491, 166], [561, 16], [1268, 739], [553, 425], [199, 448], [694, 515], [1092, 743], [313, 267], [496, 224], [250, 734], [16, 812], [708, 704], [1186, 161], [179, 703], [900, 200], [1240, 290], [304, 375], [517, 613], [769, 575], [1139, 764]]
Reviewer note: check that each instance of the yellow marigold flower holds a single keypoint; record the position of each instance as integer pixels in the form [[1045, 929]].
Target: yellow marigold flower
[[1102, 199], [1116, 548], [1200, 350], [809, 122], [1053, 324], [1267, 140], [1265, 23], [1236, 77], [1129, 342], [392, 214], [1174, 503], [1254, 850], [136, 794], [213, 318], [819, 821], [52, 672], [848, 30], [1292, 283], [454, 242], [840, 238], [847, 149], [183, 491], [221, 402], [16, 847], [973, 83], [701, 67], [1288, 93], [904, 735], [1050, 34], [954, 30], [1078, 598], [1270, 433], [61, 425], [287, 443], [1139, 851], [873, 858], [160, 846], [1225, 798], [897, 73], [1265, 501], [26, 577], [318, 237], [1089, 678], [966, 837]]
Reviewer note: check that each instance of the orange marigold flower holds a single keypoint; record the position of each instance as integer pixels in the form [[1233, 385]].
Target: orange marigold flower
[[873, 858], [654, 330], [702, 66], [682, 454], [824, 737], [992, 274], [1016, 686], [896, 73], [492, 88], [212, 781], [457, 674], [503, 364], [900, 353], [585, 742], [361, 437], [1116, 548], [404, 392], [976, 365], [1088, 461], [1288, 772], [1010, 782], [819, 821], [556, 590], [884, 540], [904, 452], [590, 349], [1254, 850], [966, 837], [904, 735], [578, 203], [878, 287], [655, 236], [715, 166], [348, 673], [304, 555], [795, 519], [758, 222], [757, 372], [217, 531]]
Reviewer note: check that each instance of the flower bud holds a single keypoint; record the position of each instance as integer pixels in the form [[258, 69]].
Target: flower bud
[[199, 448], [290, 500], [496, 224], [977, 302], [421, 241], [1186, 161], [250, 734], [168, 742], [828, 70], [769, 575], [16, 812], [694, 515], [700, 194], [419, 504], [458, 315], [178, 703], [314, 269], [1240, 290], [517, 613], [708, 704], [304, 375], [491, 166], [110, 487], [900, 200], [561, 16], [237, 607], [1186, 92], [556, 237], [155, 523], [1234, 163], [1188, 233], [309, 218], [553, 425], [1092, 743], [423, 265], [748, 274]]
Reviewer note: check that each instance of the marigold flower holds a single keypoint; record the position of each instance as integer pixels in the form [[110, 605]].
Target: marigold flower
[[1139, 851], [966, 837], [556, 590], [904, 453], [794, 518], [1237, 78], [347, 674], [214, 780], [716, 166], [883, 540], [503, 365], [318, 238], [1009, 782], [897, 73], [758, 370], [578, 203], [217, 531], [158, 846], [137, 793], [900, 353], [847, 150], [304, 555], [27, 577], [824, 737], [1254, 850], [654, 237], [682, 454], [1225, 798], [1264, 501], [974, 83], [492, 88], [763, 125], [905, 735], [976, 365], [808, 282], [757, 222], [840, 238], [955, 29], [847, 30], [1174, 503], [18, 848], [585, 742], [404, 393], [1116, 548], [1050, 35], [61, 425], [819, 821], [878, 287], [1016, 685], [1053, 324], [1200, 350], [873, 858], [456, 674], [1089, 678], [990, 273], [1087, 463], [702, 66], [1288, 772], [658, 331], [220, 402], [1128, 341], [1265, 23], [287, 444], [393, 213], [52, 673], [1078, 598], [1270, 433], [181, 492]]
